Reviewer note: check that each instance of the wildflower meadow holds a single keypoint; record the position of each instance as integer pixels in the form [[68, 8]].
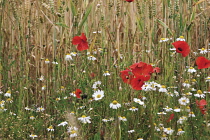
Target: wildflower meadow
[[105, 69]]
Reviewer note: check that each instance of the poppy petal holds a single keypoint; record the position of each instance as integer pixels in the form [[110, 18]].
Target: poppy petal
[[76, 40], [182, 47], [82, 46], [202, 62]]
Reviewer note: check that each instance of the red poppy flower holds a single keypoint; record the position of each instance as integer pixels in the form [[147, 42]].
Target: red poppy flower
[[171, 117], [81, 41], [126, 76], [156, 70], [141, 68], [138, 81], [202, 62], [78, 92], [129, 0], [182, 47], [201, 105]]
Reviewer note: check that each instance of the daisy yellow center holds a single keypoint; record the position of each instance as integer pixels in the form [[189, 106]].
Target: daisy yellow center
[[168, 129], [186, 81], [68, 54], [163, 135], [74, 53], [163, 38], [191, 68], [62, 87], [123, 117], [31, 116], [179, 129], [98, 96], [57, 99], [182, 37], [188, 107], [9, 99], [188, 93], [33, 135], [193, 80], [114, 102], [191, 112], [183, 100], [83, 116], [106, 71], [133, 107], [9, 91], [46, 59], [72, 132], [163, 86], [199, 92], [72, 112], [169, 93], [50, 127], [203, 49], [208, 78]]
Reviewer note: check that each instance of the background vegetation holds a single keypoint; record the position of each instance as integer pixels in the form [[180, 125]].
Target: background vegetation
[[119, 34]]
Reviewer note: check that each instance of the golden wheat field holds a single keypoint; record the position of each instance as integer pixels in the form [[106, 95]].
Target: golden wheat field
[[105, 69]]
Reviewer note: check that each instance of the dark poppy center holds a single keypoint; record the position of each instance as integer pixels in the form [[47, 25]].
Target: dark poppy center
[[180, 49]]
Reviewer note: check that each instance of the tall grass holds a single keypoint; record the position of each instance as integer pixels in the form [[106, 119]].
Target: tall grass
[[126, 33]]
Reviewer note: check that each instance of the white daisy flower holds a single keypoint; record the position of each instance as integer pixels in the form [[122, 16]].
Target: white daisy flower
[[32, 117], [161, 113], [203, 51], [131, 131], [91, 57], [105, 120], [177, 109], [55, 63], [168, 109], [41, 78], [106, 73], [47, 61], [164, 39], [191, 114], [33, 136], [63, 123], [72, 131], [168, 131], [40, 109], [138, 101], [180, 131], [186, 84], [98, 95], [68, 57], [84, 119], [181, 38], [163, 89], [50, 128], [122, 118], [115, 105], [200, 94], [183, 101], [191, 70], [8, 93], [182, 119], [73, 54], [133, 109], [207, 79]]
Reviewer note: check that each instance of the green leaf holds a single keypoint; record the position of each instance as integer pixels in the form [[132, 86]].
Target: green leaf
[[73, 9], [84, 18], [165, 26]]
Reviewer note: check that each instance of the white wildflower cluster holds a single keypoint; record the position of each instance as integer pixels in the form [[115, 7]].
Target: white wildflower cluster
[[204, 51], [95, 85], [68, 56], [181, 38]]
